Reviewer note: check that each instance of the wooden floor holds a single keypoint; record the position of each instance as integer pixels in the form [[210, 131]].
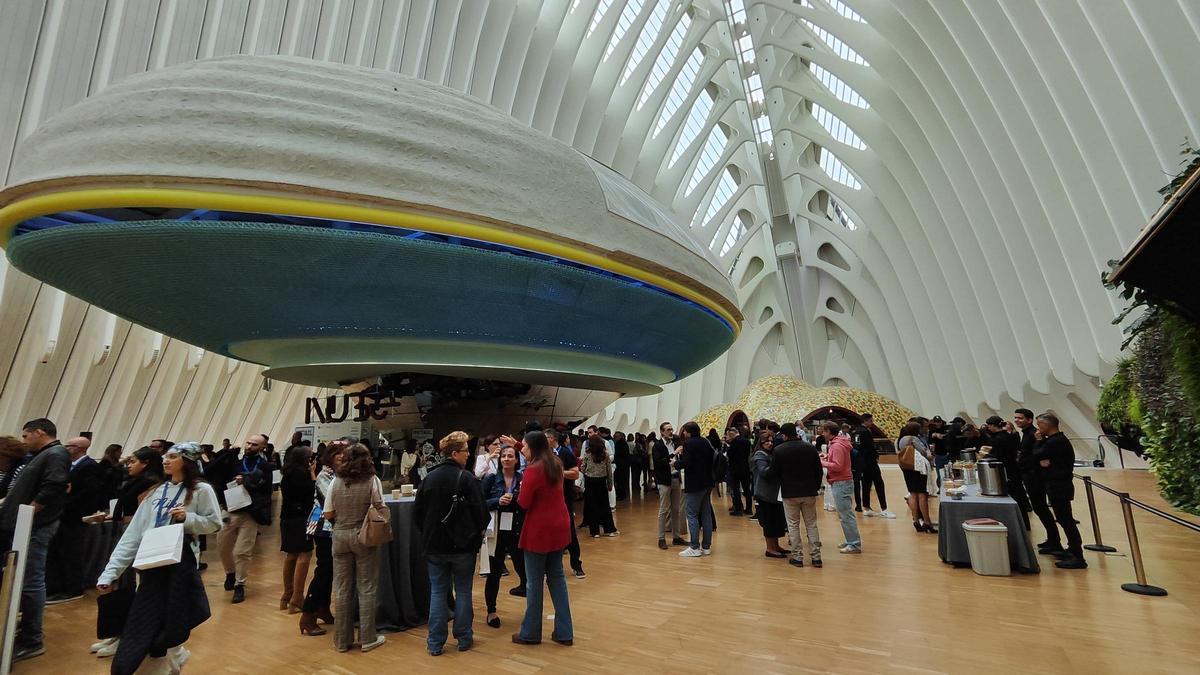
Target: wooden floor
[[896, 608]]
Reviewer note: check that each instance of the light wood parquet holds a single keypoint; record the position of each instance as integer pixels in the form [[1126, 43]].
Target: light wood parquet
[[894, 609]]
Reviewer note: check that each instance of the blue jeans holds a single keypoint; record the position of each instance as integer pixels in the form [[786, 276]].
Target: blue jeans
[[33, 592], [843, 499], [547, 567], [699, 515], [446, 569]]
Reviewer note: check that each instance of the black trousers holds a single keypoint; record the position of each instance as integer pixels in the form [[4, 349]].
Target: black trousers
[[739, 490], [506, 544], [320, 589], [1037, 502], [573, 547], [1061, 493], [857, 488], [872, 475], [64, 569], [621, 480], [1016, 490], [595, 506], [635, 476]]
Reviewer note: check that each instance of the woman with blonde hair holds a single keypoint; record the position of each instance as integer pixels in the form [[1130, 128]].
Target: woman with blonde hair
[[355, 566]]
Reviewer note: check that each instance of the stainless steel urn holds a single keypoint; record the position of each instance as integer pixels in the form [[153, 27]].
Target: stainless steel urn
[[991, 478]]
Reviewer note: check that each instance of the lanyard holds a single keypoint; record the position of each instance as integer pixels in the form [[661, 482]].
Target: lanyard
[[258, 460], [159, 518]]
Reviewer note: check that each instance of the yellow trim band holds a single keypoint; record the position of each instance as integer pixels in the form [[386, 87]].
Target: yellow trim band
[[76, 200]]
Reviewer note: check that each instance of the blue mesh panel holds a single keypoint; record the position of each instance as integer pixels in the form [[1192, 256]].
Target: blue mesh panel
[[217, 283]]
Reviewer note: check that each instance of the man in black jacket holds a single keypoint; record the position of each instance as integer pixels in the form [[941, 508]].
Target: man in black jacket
[[253, 472], [868, 463], [42, 485], [670, 488], [1031, 478], [621, 461], [1006, 447], [452, 516], [797, 467], [695, 459], [85, 491], [1056, 460], [738, 450]]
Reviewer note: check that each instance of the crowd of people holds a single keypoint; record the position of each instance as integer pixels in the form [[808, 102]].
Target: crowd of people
[[498, 500]]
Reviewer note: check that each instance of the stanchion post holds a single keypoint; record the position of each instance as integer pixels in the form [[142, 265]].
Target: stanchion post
[[1091, 499], [1135, 551]]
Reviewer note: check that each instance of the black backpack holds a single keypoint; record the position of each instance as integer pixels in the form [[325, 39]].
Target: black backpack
[[720, 467]]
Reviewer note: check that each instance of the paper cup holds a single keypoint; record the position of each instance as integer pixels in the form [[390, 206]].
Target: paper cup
[[395, 494]]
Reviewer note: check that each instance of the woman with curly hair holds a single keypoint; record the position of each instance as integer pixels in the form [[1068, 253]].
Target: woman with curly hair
[[355, 566]]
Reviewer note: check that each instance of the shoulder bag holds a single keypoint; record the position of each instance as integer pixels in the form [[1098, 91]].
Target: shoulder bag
[[376, 527]]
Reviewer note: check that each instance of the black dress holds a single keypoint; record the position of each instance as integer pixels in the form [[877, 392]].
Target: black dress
[[296, 490]]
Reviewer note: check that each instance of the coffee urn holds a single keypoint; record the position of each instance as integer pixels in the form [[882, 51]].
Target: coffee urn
[[991, 478]]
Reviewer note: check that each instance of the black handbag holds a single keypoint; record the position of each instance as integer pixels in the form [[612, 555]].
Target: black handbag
[[112, 609]]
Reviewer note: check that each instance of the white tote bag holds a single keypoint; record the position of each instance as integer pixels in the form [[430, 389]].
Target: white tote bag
[[236, 498], [161, 546]]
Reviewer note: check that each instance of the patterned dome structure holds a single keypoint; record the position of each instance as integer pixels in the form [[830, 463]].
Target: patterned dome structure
[[789, 399], [335, 223]]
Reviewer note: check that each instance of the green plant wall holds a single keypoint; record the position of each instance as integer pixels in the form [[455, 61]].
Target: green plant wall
[[1157, 390]]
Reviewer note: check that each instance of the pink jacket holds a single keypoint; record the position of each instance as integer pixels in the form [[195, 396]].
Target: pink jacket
[[838, 461]]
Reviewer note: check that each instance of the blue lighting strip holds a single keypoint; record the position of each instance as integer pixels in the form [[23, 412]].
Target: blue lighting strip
[[71, 218]]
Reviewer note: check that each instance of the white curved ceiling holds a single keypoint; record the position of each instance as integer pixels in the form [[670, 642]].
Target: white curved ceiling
[[942, 183]]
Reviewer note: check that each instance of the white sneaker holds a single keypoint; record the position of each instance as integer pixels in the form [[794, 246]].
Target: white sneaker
[[154, 665], [178, 656], [109, 649], [97, 646], [706, 551], [871, 514], [690, 553], [368, 646], [889, 515], [830, 508]]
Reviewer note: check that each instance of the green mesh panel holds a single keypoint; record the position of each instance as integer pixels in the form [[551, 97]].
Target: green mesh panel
[[217, 283]]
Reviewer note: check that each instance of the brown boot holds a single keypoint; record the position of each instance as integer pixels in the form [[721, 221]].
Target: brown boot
[[299, 578], [308, 624], [289, 574], [325, 616]]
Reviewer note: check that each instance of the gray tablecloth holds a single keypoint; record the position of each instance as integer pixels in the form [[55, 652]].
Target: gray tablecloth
[[952, 541], [403, 575]]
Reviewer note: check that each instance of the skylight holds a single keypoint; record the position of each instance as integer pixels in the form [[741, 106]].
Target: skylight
[[837, 128], [646, 40], [601, 9], [714, 145], [693, 126], [679, 88], [628, 16], [841, 8], [735, 233], [839, 214], [836, 170], [840, 48], [840, 90], [666, 57], [725, 189]]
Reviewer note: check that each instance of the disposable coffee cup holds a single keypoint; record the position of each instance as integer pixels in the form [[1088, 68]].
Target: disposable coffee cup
[[406, 490], [395, 494]]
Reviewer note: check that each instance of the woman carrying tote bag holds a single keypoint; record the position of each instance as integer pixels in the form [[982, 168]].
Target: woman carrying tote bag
[[170, 600], [354, 493]]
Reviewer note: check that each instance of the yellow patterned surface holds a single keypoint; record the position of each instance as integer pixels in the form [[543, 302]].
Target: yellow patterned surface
[[788, 399]]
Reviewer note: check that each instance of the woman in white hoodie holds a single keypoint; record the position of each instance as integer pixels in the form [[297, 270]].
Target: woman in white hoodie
[[170, 600]]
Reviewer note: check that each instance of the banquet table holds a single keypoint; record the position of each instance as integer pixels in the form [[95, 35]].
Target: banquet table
[[403, 576], [952, 541]]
